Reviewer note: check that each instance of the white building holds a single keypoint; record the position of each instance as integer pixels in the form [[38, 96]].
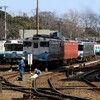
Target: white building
[[29, 33]]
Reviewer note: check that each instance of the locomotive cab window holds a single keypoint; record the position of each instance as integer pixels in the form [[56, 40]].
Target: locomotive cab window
[[80, 47], [27, 44], [44, 44]]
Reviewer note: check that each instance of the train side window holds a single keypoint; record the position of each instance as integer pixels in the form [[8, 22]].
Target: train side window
[[19, 47], [35, 45], [13, 47], [44, 44], [8, 47]]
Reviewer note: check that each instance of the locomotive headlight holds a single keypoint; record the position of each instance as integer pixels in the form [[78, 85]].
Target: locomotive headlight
[[81, 54], [4, 55]]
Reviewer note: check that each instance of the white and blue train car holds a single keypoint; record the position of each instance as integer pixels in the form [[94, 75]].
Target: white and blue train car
[[13, 50], [43, 49], [85, 51], [97, 48], [2, 50]]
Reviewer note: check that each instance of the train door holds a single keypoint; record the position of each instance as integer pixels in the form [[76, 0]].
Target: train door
[[27, 48], [2, 50], [80, 51], [35, 49]]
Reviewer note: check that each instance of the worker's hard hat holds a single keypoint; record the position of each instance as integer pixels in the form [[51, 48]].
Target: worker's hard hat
[[23, 58], [35, 69]]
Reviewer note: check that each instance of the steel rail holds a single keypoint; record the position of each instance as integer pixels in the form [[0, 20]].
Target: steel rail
[[88, 82], [53, 93], [63, 95], [45, 93], [98, 76]]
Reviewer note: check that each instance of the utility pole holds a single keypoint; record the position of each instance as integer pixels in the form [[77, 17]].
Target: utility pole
[[5, 7], [37, 18]]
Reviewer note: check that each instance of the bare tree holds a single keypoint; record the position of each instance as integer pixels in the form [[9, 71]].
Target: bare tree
[[89, 21], [71, 24], [48, 20]]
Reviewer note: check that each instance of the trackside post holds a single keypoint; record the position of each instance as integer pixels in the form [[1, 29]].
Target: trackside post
[[67, 72], [30, 63], [72, 70]]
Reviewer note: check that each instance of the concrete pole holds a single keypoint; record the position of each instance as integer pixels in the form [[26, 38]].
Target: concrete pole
[[5, 7], [37, 18]]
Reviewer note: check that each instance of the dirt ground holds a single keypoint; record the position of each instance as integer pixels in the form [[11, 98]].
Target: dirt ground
[[58, 81]]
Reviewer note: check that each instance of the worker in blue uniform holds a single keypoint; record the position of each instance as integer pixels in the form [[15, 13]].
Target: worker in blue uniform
[[21, 68], [37, 72]]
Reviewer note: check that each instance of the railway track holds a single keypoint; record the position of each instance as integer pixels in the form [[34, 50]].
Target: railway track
[[88, 80], [10, 86], [52, 92], [98, 76], [40, 93], [43, 87]]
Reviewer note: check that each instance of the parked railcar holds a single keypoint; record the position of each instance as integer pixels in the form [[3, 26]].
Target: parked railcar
[[97, 48], [70, 52], [86, 51], [2, 50], [51, 49], [13, 50], [43, 49]]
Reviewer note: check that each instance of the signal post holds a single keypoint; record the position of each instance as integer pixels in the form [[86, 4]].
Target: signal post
[[30, 63]]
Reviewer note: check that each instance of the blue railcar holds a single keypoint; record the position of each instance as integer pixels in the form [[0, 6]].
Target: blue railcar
[[85, 51], [2, 50], [13, 50], [44, 48], [97, 48]]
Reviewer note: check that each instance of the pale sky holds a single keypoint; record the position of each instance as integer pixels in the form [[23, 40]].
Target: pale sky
[[15, 7]]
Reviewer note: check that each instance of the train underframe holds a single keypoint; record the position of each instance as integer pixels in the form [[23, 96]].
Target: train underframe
[[51, 64], [66, 62], [86, 58], [13, 60]]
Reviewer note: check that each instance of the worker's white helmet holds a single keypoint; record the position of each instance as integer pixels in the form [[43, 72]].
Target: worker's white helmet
[[35, 69], [23, 58]]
